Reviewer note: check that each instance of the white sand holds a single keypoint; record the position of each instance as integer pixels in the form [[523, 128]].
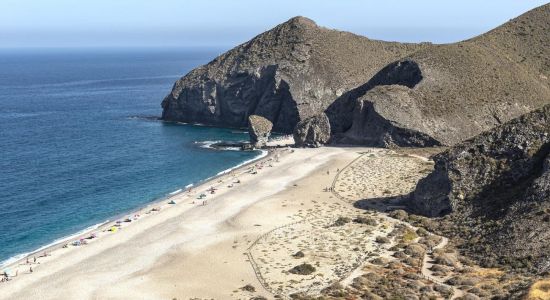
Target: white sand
[[193, 251], [185, 250]]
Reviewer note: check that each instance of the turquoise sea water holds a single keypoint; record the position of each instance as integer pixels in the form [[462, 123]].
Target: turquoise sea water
[[75, 148]]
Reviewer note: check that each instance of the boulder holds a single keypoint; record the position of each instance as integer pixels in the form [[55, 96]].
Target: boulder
[[313, 131], [259, 129]]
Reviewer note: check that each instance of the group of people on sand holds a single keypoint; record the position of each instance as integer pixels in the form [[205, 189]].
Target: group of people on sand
[[28, 261], [330, 189], [212, 190], [5, 276]]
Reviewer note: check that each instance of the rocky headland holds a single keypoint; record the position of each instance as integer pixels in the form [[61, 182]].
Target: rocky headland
[[374, 93]]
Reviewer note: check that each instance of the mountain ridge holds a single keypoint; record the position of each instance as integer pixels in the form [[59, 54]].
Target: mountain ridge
[[299, 70]]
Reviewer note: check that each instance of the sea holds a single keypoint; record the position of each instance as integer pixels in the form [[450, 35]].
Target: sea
[[80, 142]]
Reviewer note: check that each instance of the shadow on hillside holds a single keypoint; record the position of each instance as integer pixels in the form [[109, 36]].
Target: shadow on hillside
[[384, 204]]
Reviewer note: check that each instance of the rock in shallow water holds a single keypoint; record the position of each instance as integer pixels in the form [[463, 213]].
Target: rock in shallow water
[[259, 129]]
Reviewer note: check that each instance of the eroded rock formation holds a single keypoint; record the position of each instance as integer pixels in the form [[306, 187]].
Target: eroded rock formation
[[313, 131], [259, 129], [374, 93], [287, 74]]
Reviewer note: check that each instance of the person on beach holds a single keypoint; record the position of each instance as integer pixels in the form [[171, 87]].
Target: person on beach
[[30, 270], [34, 259]]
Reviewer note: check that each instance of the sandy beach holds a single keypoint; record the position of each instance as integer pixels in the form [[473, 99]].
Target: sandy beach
[[184, 250], [244, 239]]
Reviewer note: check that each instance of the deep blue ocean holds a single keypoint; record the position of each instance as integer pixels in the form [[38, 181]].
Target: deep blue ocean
[[76, 148]]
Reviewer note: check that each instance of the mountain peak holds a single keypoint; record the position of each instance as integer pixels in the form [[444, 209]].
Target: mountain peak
[[301, 22]]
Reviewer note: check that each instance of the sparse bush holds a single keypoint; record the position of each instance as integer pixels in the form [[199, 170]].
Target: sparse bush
[[415, 250], [443, 289], [413, 262], [445, 259], [249, 288], [409, 235], [378, 261], [382, 240], [303, 269], [422, 232], [366, 221], [400, 255], [298, 254], [341, 221], [399, 214]]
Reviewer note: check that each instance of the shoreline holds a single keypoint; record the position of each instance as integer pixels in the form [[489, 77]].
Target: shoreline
[[58, 243], [244, 242]]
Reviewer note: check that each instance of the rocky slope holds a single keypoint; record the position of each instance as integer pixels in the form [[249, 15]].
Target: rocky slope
[[452, 92], [495, 191], [287, 74], [374, 93]]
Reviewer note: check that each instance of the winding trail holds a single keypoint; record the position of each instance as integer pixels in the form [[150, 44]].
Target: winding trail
[[427, 263]]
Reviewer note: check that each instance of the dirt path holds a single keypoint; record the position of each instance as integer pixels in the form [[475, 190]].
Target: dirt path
[[427, 264]]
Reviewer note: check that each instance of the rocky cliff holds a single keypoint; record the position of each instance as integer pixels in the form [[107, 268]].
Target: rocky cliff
[[495, 190], [287, 74], [313, 131], [373, 92]]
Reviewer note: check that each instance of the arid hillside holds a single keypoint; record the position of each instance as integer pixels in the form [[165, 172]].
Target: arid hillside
[[374, 93]]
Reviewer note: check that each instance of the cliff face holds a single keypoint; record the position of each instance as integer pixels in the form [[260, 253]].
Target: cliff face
[[373, 92], [286, 74], [495, 189]]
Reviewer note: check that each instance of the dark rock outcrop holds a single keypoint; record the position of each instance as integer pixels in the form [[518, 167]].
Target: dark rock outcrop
[[495, 189], [374, 93], [313, 131], [471, 176], [259, 129], [380, 121], [287, 74]]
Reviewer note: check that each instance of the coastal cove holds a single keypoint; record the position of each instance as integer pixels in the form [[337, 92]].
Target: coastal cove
[[80, 147], [307, 163]]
